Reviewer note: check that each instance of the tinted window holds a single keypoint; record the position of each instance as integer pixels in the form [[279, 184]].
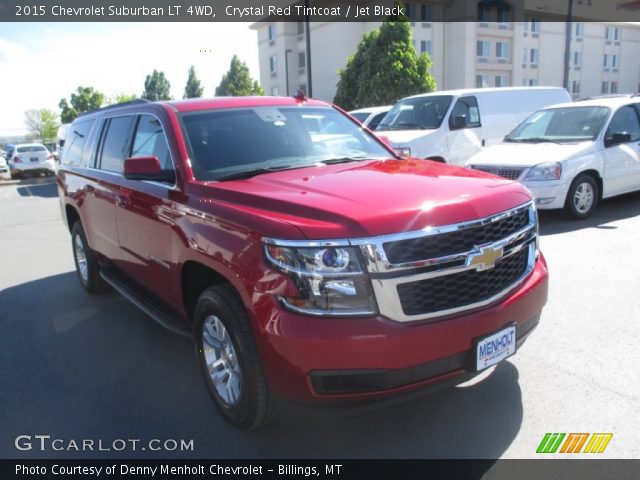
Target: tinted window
[[31, 149], [150, 141], [231, 141], [375, 121], [115, 144], [418, 113], [75, 143], [361, 117], [625, 120], [467, 108]]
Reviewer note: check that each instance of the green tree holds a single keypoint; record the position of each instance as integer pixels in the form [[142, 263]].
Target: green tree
[[121, 97], [193, 89], [85, 99], [384, 69], [43, 124], [237, 81], [156, 87]]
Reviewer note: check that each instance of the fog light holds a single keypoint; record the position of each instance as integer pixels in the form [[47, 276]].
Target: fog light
[[545, 200]]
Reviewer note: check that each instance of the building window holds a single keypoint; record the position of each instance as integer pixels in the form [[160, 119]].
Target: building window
[[613, 33], [273, 65], [502, 50], [300, 28], [617, 33], [614, 87], [302, 61], [575, 87], [614, 61], [274, 91], [533, 82], [533, 25], [410, 11], [577, 59], [425, 46], [605, 87], [483, 48], [501, 80], [482, 81], [426, 13], [579, 29], [533, 56], [605, 62], [525, 55], [484, 14], [503, 15], [271, 29]]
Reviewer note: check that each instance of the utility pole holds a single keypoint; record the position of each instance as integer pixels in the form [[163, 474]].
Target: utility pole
[[307, 31], [567, 46]]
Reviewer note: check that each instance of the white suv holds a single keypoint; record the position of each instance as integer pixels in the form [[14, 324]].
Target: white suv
[[572, 155]]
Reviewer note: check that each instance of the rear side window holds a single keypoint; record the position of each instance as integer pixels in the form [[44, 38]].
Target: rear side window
[[465, 114], [375, 121], [75, 143], [625, 120], [150, 141], [115, 143]]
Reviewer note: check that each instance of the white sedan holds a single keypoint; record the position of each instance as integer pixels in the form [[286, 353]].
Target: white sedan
[[31, 158]]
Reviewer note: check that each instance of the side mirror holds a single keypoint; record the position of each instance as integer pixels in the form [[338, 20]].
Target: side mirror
[[61, 143], [617, 139], [146, 168], [459, 121]]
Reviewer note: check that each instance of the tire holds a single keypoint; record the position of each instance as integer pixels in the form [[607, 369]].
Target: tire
[[224, 337], [87, 266], [582, 198]]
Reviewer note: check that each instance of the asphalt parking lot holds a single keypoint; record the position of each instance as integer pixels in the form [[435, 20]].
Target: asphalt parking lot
[[75, 366]]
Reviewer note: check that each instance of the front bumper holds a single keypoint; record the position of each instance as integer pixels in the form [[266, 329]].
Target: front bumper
[[548, 194], [329, 359]]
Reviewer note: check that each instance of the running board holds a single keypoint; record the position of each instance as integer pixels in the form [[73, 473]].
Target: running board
[[144, 302]]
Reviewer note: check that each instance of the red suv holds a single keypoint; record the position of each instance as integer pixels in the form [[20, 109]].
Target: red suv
[[305, 258]]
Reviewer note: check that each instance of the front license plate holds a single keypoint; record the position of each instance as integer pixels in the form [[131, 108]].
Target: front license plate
[[495, 347], [35, 159]]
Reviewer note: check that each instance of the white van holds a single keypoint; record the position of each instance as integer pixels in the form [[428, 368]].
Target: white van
[[572, 155], [451, 126]]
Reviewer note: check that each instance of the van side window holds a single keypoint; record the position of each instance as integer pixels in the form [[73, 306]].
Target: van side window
[[465, 114], [375, 121], [150, 141], [75, 143], [115, 144], [624, 120]]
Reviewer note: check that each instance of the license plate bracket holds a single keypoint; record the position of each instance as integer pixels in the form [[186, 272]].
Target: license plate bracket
[[495, 347]]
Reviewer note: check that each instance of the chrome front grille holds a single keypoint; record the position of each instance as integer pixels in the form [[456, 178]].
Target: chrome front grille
[[440, 271], [511, 173]]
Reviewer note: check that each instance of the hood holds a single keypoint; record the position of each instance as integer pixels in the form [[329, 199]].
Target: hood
[[529, 154], [368, 198], [401, 138]]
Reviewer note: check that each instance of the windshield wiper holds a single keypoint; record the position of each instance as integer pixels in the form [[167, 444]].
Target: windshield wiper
[[333, 161], [256, 171], [532, 140]]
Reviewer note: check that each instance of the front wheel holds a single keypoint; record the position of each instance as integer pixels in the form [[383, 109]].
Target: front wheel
[[229, 358], [582, 198], [86, 262]]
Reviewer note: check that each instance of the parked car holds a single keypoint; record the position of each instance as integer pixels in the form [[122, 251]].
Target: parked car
[[5, 174], [307, 265], [370, 117], [571, 156], [451, 126], [31, 158]]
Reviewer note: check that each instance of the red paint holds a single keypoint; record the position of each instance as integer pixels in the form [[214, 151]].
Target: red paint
[[150, 232]]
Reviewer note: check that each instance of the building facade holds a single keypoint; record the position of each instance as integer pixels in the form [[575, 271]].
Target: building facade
[[492, 52]]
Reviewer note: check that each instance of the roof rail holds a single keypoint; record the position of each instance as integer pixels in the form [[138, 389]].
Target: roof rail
[[137, 101], [611, 95]]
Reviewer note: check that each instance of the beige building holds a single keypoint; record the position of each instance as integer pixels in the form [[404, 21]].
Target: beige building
[[492, 52]]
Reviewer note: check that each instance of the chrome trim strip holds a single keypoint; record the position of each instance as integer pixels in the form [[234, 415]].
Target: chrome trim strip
[[324, 313]]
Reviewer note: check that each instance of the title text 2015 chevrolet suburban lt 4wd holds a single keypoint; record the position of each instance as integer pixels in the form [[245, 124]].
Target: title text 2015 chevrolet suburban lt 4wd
[[307, 260]]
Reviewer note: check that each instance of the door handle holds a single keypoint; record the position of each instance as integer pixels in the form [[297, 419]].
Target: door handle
[[122, 201]]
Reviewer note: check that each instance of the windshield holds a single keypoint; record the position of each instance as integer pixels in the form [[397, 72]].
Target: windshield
[[225, 143], [561, 125], [419, 113]]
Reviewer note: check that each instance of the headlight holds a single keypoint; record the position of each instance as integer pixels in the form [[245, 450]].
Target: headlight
[[403, 151], [332, 280], [545, 171]]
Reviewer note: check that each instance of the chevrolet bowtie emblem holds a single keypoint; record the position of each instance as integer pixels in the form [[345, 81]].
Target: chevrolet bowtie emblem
[[486, 258]]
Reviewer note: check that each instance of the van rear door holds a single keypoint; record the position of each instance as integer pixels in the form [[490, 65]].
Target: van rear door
[[466, 134]]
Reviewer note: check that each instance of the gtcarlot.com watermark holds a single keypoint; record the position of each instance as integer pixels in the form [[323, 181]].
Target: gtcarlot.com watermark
[[47, 443]]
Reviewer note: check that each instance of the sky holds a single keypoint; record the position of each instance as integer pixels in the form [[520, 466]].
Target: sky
[[41, 63]]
